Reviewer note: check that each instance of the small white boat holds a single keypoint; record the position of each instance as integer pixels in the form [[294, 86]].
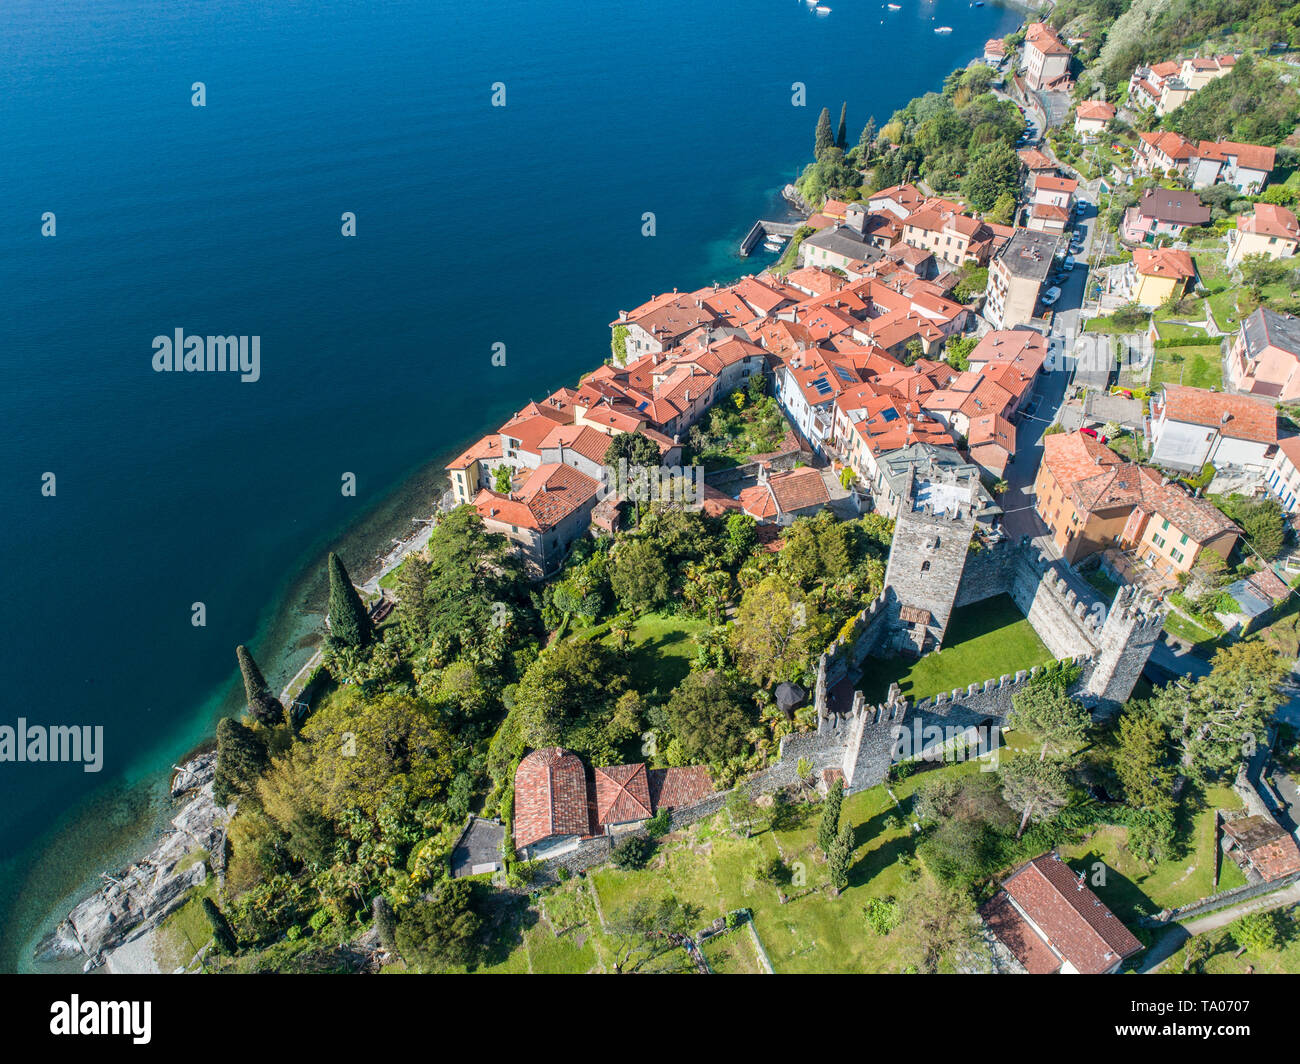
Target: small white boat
[[894, 7], [822, 10], [943, 29]]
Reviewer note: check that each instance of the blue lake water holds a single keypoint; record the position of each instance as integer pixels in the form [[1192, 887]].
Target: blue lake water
[[475, 225]]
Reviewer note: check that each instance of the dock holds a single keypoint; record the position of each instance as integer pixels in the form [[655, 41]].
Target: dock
[[762, 230]]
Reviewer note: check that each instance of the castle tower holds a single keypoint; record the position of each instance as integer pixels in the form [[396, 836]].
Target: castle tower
[[1132, 627], [932, 534]]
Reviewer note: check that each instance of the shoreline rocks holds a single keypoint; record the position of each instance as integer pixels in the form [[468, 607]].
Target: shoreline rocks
[[135, 902]]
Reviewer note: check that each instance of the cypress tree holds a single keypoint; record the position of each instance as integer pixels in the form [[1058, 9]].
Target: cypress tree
[[349, 621], [866, 138], [385, 923], [830, 823], [842, 134], [225, 937], [825, 139], [840, 857], [241, 759], [264, 706]]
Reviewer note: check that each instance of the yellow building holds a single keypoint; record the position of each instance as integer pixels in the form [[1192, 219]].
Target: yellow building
[[1157, 273]]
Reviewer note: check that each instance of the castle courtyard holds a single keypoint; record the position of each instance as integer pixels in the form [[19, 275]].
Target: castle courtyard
[[984, 640]]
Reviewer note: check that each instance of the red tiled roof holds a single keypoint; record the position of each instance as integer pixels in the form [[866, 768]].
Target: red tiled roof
[[1070, 917], [622, 794], [1270, 220], [1164, 262], [1239, 417], [1015, 933], [1095, 110], [673, 788], [550, 796], [798, 488]]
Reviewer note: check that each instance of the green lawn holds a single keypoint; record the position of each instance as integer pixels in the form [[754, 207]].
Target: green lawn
[[1104, 585], [1196, 367], [733, 953], [1284, 960], [1188, 630], [389, 580], [1110, 326], [660, 654], [983, 641], [1132, 887]]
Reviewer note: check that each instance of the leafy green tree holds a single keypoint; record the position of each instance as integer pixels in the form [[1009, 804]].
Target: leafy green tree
[[503, 479], [775, 633], [708, 717], [1046, 711], [1003, 211], [355, 753], [241, 760], [842, 131], [472, 594], [825, 138], [742, 537], [959, 349], [829, 826], [639, 575], [568, 696], [349, 622], [441, 931], [1256, 933], [1142, 761], [1037, 790], [994, 173], [839, 858], [263, 705], [1217, 721]]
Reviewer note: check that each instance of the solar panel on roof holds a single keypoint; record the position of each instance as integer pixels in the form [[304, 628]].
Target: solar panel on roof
[[889, 414]]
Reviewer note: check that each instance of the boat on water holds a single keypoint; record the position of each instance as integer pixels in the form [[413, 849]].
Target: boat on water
[[768, 245], [822, 10], [894, 7], [943, 29]]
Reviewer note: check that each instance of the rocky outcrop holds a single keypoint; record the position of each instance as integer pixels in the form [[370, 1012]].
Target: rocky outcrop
[[138, 899]]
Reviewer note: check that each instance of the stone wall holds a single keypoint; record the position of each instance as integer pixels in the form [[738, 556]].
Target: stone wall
[[778, 462]]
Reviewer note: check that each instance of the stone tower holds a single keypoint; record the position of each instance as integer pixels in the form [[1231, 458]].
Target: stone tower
[[932, 534], [1131, 629]]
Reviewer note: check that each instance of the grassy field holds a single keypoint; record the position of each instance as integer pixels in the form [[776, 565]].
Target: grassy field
[[1104, 585], [1282, 961], [1131, 887], [1194, 366], [983, 641], [661, 651]]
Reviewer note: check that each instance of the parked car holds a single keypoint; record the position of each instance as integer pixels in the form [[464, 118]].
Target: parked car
[[1087, 431], [1068, 264], [1050, 296], [1080, 206]]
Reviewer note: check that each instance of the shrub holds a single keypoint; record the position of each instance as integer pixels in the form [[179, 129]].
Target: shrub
[[883, 915], [632, 853], [658, 825]]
